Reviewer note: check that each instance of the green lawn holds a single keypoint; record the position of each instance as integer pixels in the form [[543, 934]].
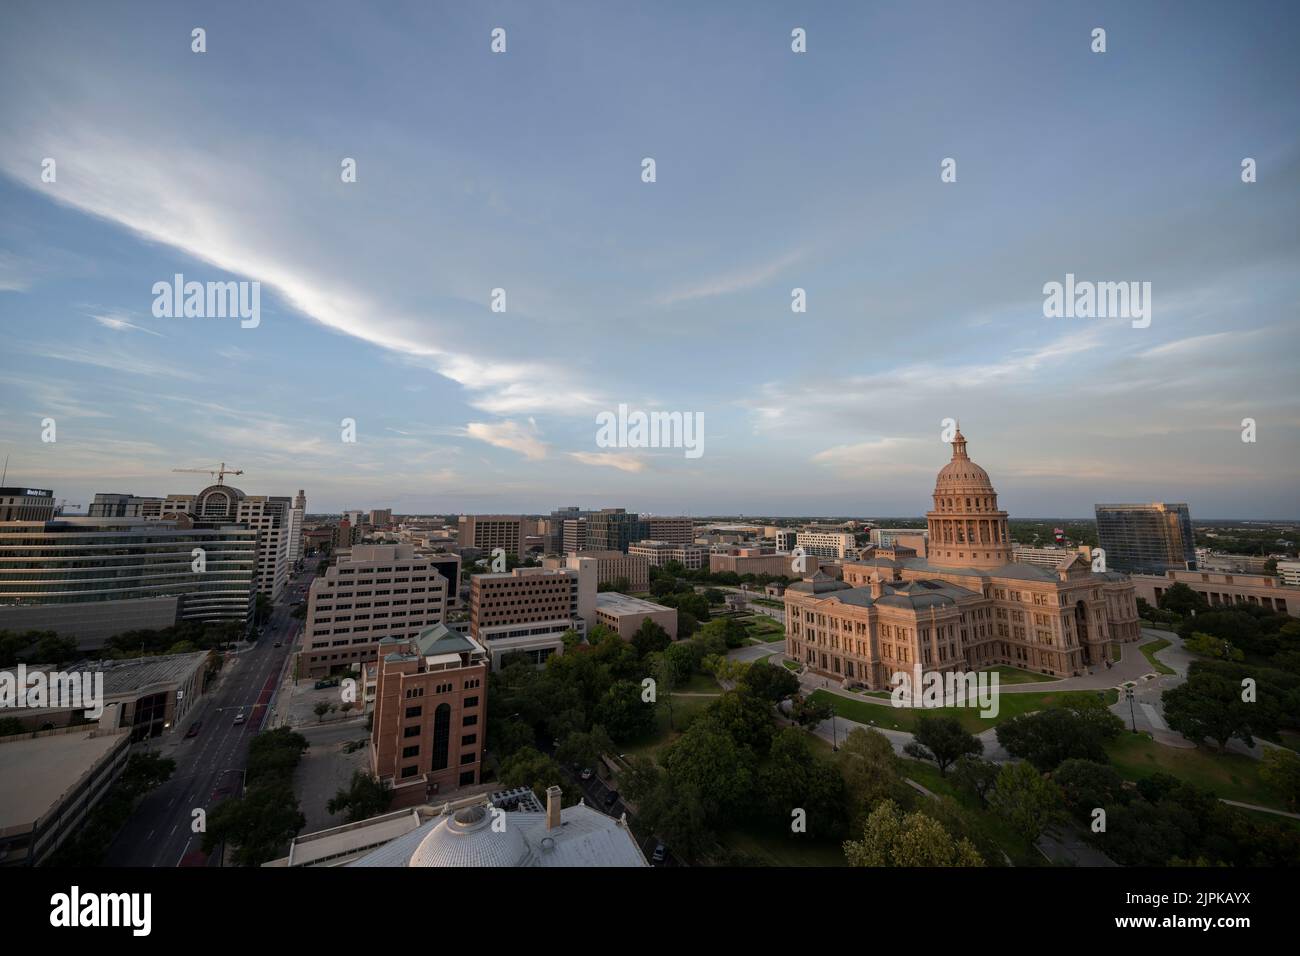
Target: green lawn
[[791, 665], [1116, 655], [685, 710], [904, 718], [700, 684], [1149, 652], [1014, 675], [768, 602], [1234, 776]]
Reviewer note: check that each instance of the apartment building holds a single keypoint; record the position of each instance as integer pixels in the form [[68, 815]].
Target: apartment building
[[825, 544], [673, 530], [658, 553], [374, 592], [529, 609], [430, 714]]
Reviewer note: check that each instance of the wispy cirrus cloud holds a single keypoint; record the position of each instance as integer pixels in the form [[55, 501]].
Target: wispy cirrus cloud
[[509, 435], [731, 282], [609, 459]]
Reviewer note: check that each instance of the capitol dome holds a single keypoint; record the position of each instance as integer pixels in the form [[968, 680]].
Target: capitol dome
[[961, 472], [467, 838], [966, 527]]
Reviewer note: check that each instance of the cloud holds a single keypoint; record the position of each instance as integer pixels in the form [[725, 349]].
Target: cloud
[[730, 282], [510, 435], [609, 459], [115, 321]]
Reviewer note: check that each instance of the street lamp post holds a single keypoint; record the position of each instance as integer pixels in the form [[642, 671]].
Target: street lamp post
[[1128, 692]]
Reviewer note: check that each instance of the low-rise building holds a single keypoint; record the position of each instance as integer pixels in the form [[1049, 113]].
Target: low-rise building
[[752, 561], [528, 610], [1222, 589], [658, 553], [624, 614], [612, 566], [49, 783]]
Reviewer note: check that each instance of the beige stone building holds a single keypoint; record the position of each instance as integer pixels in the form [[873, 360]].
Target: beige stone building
[[1220, 589], [624, 614], [372, 593], [658, 553], [612, 566], [967, 606]]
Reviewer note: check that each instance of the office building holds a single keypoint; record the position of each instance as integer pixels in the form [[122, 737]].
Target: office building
[[914, 538], [611, 567], [486, 532], [92, 578], [430, 714], [372, 592], [124, 506], [658, 553], [573, 536], [613, 529], [755, 561], [1146, 538], [1289, 572], [297, 516], [672, 530], [1050, 558], [529, 610], [555, 529], [381, 517], [26, 504]]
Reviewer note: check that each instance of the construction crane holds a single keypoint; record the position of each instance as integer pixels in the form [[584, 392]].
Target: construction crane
[[58, 509], [219, 474]]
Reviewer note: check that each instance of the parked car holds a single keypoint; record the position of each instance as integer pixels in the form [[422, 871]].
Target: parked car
[[611, 798], [194, 729], [277, 643], [587, 773], [660, 853], [239, 718]]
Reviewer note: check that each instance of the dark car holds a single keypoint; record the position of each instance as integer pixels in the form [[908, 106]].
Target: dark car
[[660, 853], [276, 644], [587, 773], [611, 798], [194, 729]]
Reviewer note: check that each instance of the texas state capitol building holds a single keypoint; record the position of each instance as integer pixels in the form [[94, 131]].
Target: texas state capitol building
[[965, 606]]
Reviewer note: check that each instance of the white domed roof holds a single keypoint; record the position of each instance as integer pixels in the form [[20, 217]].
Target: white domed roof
[[467, 838]]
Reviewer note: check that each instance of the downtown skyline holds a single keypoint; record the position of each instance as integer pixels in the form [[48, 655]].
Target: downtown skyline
[[774, 172]]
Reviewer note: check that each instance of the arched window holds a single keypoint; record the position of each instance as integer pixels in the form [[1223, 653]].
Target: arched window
[[441, 736]]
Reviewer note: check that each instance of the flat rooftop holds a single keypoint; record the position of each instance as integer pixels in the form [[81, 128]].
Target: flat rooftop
[[36, 771], [613, 602]]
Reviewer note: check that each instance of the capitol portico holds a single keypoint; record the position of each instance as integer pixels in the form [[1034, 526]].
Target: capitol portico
[[965, 606]]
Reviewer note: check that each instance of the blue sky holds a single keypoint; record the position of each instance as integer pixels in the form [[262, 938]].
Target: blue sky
[[521, 171]]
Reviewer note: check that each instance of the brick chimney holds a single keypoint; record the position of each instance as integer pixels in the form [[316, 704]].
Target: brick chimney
[[553, 795]]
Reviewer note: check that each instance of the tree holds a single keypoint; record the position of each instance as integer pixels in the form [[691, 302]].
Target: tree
[[585, 747], [892, 838], [1026, 799], [650, 638], [622, 712], [1078, 729], [10, 726], [940, 738], [733, 633], [1207, 645], [974, 777], [793, 778], [870, 771], [365, 797], [321, 709], [507, 736], [257, 824], [769, 681], [1280, 770], [1182, 600], [808, 712], [529, 767], [1210, 706], [1086, 785], [742, 717], [713, 765], [617, 584]]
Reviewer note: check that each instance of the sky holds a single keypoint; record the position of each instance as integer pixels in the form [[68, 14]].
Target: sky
[[774, 170]]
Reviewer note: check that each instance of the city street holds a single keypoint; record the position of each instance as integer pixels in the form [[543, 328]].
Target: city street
[[210, 766]]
